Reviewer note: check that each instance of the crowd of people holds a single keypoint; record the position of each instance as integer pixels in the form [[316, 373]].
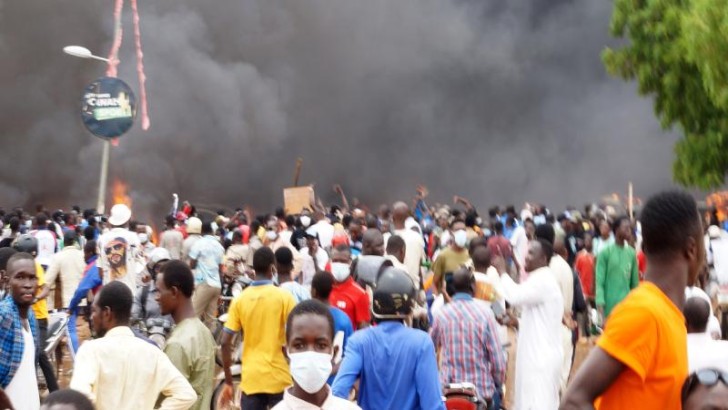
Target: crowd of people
[[402, 307]]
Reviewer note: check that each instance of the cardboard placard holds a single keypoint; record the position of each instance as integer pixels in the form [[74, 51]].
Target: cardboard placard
[[295, 199]]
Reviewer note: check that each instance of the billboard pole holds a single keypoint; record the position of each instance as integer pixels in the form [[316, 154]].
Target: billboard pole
[[101, 201]]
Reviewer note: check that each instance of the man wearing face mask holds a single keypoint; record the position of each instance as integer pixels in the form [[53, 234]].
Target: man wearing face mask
[[147, 245], [310, 352], [274, 240], [347, 295], [451, 258], [298, 238]]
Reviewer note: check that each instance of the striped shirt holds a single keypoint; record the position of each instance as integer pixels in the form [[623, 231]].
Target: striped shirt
[[466, 332]]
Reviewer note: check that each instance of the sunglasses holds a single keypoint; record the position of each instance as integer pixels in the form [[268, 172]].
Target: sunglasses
[[705, 377], [116, 247]]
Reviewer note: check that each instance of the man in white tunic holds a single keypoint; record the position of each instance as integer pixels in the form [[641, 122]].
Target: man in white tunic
[[540, 352]]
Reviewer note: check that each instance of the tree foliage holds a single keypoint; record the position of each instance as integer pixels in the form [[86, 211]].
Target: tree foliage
[[676, 53]]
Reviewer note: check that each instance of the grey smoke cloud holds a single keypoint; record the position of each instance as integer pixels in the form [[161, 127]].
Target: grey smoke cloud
[[499, 101]]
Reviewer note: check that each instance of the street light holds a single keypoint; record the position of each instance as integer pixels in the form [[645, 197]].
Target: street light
[[83, 52]]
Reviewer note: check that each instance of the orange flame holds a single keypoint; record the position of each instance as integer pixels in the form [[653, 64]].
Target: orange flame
[[155, 234], [119, 192]]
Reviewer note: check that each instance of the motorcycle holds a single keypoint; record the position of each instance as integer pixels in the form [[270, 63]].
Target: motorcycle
[[154, 329], [463, 396], [58, 331], [236, 368]]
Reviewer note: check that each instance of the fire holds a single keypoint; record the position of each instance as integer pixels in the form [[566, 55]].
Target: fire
[[119, 192], [155, 234]]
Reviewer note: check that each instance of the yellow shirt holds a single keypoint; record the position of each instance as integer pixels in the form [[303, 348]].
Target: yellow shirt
[[261, 312], [646, 332], [40, 308], [122, 372]]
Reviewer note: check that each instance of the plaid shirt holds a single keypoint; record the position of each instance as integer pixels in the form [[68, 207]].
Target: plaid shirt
[[467, 334], [11, 339]]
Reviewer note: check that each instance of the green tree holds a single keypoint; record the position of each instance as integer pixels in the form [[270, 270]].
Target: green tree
[[675, 53]]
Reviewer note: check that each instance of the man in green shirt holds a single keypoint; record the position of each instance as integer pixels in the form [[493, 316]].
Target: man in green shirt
[[617, 271], [190, 347]]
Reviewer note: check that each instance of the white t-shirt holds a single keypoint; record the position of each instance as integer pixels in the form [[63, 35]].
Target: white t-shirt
[[120, 256], [717, 250], [23, 389], [47, 245]]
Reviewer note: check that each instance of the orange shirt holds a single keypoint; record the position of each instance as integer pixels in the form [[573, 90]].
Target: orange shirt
[[646, 332]]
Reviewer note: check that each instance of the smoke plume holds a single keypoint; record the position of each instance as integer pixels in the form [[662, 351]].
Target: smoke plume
[[500, 101]]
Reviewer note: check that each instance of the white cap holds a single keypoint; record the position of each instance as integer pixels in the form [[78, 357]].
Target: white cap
[[194, 225], [120, 214], [159, 254]]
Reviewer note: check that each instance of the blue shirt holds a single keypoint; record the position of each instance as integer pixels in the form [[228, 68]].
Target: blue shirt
[[342, 323], [208, 253], [91, 280], [397, 367]]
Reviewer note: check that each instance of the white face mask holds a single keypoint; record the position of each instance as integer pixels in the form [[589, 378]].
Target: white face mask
[[305, 221], [271, 235], [310, 369], [340, 271], [460, 237], [143, 238]]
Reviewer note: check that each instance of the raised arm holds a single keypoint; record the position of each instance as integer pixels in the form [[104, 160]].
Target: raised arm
[[344, 201]]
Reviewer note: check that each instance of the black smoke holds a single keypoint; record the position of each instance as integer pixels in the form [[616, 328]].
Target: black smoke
[[501, 101]]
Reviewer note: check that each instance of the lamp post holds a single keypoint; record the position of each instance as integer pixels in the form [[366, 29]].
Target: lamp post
[[83, 52]]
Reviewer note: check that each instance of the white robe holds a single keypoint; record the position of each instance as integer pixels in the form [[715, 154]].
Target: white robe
[[540, 352]]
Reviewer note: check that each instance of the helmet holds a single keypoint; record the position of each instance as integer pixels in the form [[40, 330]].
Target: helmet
[[156, 257], [368, 268], [26, 243], [394, 295]]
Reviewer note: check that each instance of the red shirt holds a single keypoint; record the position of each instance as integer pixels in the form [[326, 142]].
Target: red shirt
[[353, 300], [499, 245], [641, 264], [584, 266]]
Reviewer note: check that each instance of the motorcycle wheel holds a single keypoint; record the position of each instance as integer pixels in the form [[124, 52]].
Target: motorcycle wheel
[[217, 405]]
